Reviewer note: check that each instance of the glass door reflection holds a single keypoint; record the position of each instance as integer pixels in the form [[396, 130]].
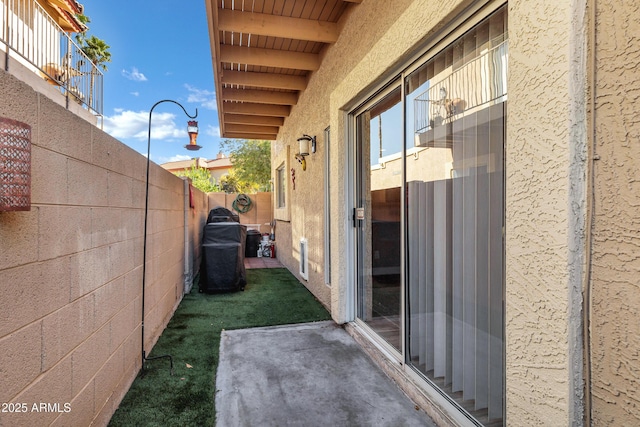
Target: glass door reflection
[[378, 217]]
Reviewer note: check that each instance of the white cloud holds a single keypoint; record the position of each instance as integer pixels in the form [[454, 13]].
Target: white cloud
[[206, 98], [179, 157], [135, 93], [175, 158], [127, 124], [212, 131], [134, 75]]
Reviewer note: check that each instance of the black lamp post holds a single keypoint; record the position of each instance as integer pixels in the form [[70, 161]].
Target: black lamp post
[[193, 132]]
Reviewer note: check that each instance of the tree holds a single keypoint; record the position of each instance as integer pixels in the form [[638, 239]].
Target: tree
[[229, 183], [251, 160], [200, 178], [85, 20], [95, 49]]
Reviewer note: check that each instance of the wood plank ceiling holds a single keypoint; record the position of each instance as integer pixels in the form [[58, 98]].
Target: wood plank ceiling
[[263, 53]]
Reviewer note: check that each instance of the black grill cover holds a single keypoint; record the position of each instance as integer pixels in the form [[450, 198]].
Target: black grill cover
[[221, 214], [222, 267]]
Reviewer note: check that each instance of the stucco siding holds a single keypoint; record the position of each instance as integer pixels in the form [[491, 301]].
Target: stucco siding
[[543, 155], [615, 303], [311, 116], [547, 187], [391, 46], [545, 175]]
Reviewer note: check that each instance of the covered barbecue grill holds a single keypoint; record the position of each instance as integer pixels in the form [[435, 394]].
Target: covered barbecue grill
[[223, 247]]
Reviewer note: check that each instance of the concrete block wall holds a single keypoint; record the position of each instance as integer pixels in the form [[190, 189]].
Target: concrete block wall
[[260, 214], [197, 218], [71, 267], [27, 73]]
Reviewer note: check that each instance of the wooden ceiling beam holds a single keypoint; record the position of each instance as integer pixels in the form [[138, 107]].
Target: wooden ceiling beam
[[269, 57], [253, 109], [244, 135], [259, 111], [253, 129], [260, 96], [244, 119], [264, 80], [277, 26]]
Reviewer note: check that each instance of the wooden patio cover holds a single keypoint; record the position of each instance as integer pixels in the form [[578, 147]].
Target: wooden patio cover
[[263, 53]]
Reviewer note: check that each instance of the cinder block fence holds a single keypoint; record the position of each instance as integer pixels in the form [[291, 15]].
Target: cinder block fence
[[71, 267]]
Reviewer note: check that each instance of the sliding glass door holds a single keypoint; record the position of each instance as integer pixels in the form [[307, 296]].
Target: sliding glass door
[[378, 216], [429, 217], [455, 217]]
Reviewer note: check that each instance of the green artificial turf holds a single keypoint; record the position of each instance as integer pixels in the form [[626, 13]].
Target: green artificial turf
[[192, 338]]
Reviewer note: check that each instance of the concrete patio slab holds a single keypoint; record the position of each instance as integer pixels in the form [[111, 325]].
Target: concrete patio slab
[[311, 374]]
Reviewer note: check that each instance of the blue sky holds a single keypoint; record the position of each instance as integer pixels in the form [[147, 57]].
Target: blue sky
[[159, 50]]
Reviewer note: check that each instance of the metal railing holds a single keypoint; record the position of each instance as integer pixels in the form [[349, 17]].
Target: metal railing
[[43, 46], [479, 81]]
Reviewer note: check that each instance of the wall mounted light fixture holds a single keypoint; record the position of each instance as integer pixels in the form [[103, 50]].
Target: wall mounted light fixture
[[306, 145], [304, 141]]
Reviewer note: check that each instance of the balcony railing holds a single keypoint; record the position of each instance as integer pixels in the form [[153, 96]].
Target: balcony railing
[[31, 36], [463, 89]]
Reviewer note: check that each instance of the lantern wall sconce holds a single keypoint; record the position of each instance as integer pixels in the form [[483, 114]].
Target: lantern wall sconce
[[304, 141], [306, 145]]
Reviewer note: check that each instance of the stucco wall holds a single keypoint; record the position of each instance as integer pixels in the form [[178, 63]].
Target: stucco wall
[[71, 267], [391, 39], [615, 329], [545, 212], [312, 115], [545, 189]]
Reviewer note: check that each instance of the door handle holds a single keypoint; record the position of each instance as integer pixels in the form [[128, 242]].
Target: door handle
[[357, 215]]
